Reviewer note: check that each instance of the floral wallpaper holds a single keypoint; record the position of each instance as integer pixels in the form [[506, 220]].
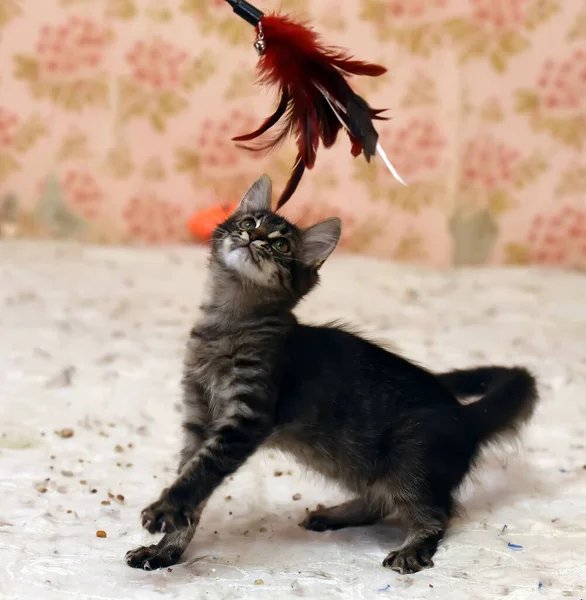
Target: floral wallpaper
[[116, 118]]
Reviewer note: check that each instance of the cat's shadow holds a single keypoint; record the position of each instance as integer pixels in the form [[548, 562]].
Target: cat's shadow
[[243, 552], [510, 480]]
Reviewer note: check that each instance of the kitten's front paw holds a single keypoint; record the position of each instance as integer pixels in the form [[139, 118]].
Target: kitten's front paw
[[165, 516], [152, 557]]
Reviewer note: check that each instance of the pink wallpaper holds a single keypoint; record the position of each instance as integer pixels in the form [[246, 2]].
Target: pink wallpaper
[[116, 118]]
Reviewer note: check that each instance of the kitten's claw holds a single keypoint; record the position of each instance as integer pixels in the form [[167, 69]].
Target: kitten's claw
[[153, 557], [408, 561], [165, 516]]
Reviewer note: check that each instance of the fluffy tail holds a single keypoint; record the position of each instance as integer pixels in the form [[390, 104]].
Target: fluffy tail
[[508, 398]]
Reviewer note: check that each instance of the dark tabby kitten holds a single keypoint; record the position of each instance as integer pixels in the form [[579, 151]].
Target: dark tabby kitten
[[394, 435]]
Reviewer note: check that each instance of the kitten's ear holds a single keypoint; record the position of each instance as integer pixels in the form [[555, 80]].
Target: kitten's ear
[[258, 197], [319, 241]]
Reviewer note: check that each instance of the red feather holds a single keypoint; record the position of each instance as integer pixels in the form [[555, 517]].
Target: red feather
[[311, 79]]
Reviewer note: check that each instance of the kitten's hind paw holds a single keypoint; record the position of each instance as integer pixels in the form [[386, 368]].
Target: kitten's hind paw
[[151, 557], [408, 561], [353, 513], [165, 517], [317, 522]]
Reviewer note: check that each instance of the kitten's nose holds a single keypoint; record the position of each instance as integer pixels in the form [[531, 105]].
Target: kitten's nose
[[253, 235]]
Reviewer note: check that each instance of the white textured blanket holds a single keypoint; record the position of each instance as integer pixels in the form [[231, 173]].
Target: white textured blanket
[[91, 340]]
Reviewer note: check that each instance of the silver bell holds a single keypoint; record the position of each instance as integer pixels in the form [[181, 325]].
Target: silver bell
[[260, 46]]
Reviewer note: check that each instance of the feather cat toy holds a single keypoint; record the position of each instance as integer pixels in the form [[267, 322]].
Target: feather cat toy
[[315, 103]]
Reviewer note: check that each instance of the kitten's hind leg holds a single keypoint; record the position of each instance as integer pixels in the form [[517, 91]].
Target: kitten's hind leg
[[427, 529], [416, 555], [354, 513]]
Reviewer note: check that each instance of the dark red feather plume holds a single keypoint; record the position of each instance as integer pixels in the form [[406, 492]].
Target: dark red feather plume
[[316, 100]]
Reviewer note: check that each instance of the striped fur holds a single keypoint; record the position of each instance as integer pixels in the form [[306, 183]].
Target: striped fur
[[394, 435]]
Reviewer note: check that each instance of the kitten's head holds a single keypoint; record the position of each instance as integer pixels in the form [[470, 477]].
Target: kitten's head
[[262, 250]]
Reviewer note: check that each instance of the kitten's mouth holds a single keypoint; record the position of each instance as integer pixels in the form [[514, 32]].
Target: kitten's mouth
[[247, 252]]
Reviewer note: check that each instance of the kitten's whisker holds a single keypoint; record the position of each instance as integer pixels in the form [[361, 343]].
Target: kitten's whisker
[[293, 259], [222, 229]]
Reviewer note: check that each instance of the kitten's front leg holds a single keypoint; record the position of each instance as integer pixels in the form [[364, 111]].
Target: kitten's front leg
[[230, 443], [172, 546], [169, 549]]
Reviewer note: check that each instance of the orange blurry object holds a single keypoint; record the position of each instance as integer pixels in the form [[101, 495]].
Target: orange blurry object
[[202, 224]]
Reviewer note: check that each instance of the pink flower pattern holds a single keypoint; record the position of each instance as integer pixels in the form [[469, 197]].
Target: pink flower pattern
[[83, 193], [488, 163], [157, 64], [413, 9], [72, 49], [500, 15], [484, 141], [153, 220], [415, 149], [214, 142], [8, 123], [562, 84], [559, 239]]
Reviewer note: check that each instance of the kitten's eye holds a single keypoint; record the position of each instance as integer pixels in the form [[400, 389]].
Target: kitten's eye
[[281, 245], [248, 224]]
